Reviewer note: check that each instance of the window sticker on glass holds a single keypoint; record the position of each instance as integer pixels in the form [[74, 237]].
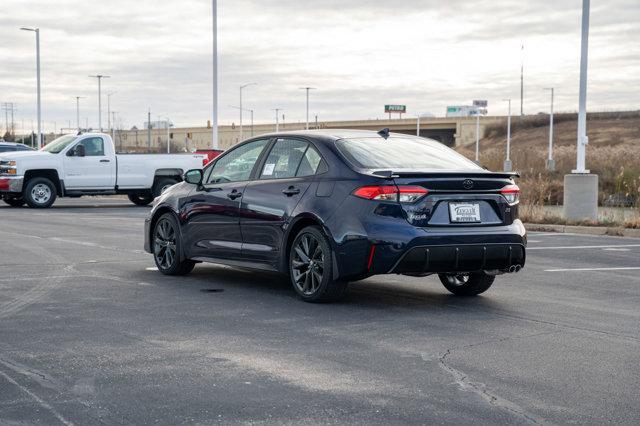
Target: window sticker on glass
[[268, 169]]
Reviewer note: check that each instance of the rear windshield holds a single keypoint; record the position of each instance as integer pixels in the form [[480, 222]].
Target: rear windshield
[[397, 153]]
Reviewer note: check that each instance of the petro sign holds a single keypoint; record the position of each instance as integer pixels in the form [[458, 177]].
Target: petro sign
[[395, 108]]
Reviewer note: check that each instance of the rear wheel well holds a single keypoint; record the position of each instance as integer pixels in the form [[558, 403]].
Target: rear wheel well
[[175, 174], [50, 174], [293, 231]]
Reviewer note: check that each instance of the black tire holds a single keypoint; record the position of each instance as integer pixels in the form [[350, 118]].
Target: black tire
[[162, 184], [14, 201], [311, 267], [166, 245], [140, 198], [39, 193], [467, 284]]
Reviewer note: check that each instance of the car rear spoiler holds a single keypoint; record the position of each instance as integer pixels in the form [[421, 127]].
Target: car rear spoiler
[[390, 174]]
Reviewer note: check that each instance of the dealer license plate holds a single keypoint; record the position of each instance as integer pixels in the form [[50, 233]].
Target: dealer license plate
[[464, 212]]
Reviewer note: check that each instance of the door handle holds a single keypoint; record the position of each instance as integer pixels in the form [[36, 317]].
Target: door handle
[[105, 161], [234, 194], [292, 190]]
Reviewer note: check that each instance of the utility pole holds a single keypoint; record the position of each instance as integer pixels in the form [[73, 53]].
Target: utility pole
[[551, 164], [507, 162], [522, 81], [277, 123], [37, 31], [100, 77], [214, 109], [241, 109], [307, 90], [78, 111], [581, 187]]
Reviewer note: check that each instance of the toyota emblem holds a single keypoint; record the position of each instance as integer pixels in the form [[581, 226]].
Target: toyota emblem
[[467, 184]]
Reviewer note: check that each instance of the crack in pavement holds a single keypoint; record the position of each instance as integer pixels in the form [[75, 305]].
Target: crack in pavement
[[480, 389]]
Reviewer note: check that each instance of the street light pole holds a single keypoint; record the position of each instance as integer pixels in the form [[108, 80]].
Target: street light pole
[[307, 90], [168, 136], [477, 136], [551, 164], [277, 110], [580, 187], [78, 111], [100, 77], [37, 31], [214, 110], [241, 109], [507, 163], [109, 109]]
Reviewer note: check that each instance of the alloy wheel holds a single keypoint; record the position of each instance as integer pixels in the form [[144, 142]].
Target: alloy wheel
[[307, 264], [165, 244]]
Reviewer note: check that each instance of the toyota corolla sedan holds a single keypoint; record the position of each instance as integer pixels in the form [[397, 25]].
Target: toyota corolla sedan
[[333, 206]]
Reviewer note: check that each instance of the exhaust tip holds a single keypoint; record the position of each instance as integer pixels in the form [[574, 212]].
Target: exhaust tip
[[518, 267], [512, 269]]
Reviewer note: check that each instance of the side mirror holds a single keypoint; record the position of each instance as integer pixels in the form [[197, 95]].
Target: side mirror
[[193, 176], [79, 151]]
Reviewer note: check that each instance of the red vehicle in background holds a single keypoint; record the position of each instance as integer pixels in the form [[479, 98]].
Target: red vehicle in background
[[210, 153]]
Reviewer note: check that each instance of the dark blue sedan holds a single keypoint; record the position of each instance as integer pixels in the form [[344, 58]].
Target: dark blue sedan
[[328, 207]]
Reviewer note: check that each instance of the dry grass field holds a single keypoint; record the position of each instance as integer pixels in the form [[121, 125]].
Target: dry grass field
[[613, 153]]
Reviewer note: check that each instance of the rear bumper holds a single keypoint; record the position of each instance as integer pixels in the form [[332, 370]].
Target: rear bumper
[[460, 258], [11, 184]]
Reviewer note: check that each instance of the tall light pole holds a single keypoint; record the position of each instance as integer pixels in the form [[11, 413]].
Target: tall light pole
[[522, 81], [581, 187], [277, 110], [37, 31], [214, 109], [78, 111], [109, 109], [240, 108], [507, 161], [168, 135], [551, 164], [100, 77], [307, 90], [477, 136], [111, 129]]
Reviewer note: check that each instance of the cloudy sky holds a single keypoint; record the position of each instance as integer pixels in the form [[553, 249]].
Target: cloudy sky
[[359, 54]]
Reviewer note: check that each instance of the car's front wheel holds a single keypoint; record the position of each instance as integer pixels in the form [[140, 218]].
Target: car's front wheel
[[40, 193], [167, 247], [470, 284], [311, 267]]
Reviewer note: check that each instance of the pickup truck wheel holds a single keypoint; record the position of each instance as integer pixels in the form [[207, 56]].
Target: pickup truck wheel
[[14, 201], [167, 248], [467, 284], [140, 198], [40, 193], [162, 185], [311, 267]]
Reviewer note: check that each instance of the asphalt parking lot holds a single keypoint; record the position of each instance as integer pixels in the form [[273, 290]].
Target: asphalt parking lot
[[91, 333]]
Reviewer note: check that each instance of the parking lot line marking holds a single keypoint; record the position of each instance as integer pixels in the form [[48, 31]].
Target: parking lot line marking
[[616, 249], [582, 247], [622, 268]]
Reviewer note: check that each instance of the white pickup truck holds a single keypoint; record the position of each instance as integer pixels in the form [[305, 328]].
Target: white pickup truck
[[87, 164]]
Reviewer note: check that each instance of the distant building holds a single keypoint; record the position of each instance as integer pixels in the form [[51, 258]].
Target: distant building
[[465, 111], [159, 124]]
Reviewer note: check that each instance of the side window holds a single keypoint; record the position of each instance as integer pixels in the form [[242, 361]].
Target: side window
[[93, 147], [284, 159], [236, 166], [309, 163]]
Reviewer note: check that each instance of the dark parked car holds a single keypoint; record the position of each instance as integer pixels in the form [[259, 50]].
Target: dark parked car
[[12, 146], [329, 207]]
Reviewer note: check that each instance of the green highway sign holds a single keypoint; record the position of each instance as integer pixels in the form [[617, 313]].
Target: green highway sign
[[395, 108]]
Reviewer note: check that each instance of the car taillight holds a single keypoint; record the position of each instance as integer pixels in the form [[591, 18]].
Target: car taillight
[[511, 193], [402, 193], [205, 161]]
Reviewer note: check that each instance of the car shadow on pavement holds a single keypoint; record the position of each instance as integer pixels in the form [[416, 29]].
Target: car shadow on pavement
[[374, 293]]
